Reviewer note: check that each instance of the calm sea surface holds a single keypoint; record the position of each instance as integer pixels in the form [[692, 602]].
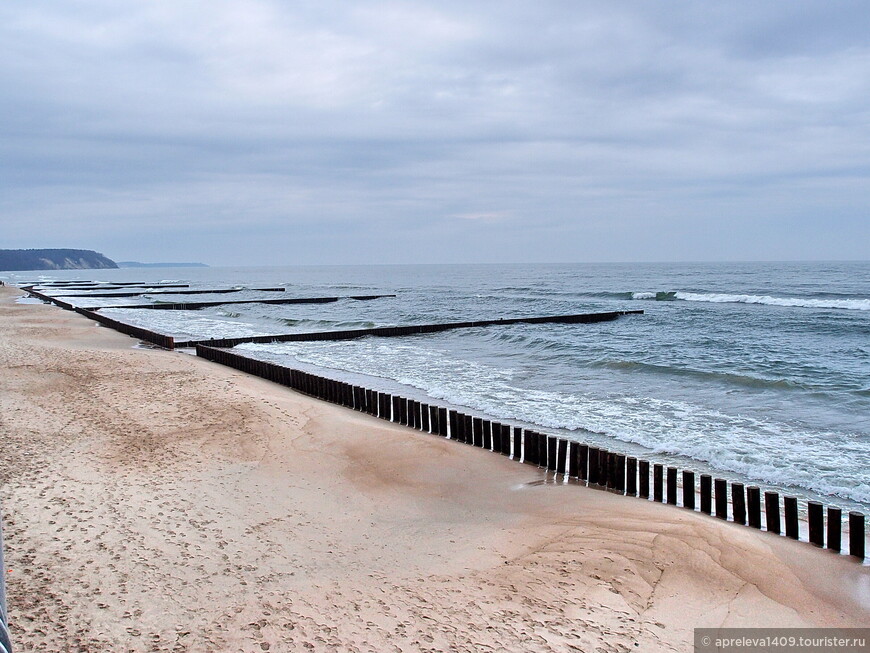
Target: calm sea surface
[[754, 371]]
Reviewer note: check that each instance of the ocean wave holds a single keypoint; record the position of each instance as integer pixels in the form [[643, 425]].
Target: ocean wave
[[795, 302], [771, 451], [660, 296], [731, 378], [657, 296]]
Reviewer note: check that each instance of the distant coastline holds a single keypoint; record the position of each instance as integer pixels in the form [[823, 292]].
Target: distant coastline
[[54, 259], [137, 264]]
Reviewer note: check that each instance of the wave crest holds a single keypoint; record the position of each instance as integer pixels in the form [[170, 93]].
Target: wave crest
[[794, 302]]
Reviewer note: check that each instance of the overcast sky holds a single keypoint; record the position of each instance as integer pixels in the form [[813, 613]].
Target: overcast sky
[[251, 132]]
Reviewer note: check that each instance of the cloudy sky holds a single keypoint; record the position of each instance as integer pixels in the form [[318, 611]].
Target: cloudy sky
[[253, 132]]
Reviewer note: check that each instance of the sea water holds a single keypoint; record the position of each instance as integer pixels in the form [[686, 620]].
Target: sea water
[[758, 372]]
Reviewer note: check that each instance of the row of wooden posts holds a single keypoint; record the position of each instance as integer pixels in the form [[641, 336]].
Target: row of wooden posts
[[594, 466], [411, 330], [195, 306], [159, 339], [150, 292], [169, 342]]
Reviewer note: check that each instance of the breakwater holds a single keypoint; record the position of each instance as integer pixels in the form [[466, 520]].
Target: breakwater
[[411, 330], [212, 291], [169, 342], [577, 462], [195, 306]]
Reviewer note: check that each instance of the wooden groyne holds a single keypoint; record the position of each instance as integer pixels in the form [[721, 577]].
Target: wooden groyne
[[114, 286], [147, 335], [169, 342], [213, 291], [50, 284], [195, 306], [582, 463], [159, 339], [417, 329]]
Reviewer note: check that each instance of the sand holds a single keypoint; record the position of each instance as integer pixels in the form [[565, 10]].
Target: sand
[[153, 501]]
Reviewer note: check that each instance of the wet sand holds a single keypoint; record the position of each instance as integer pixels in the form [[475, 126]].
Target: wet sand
[[153, 501]]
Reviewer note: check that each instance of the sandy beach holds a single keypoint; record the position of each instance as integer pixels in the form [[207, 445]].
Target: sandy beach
[[153, 501]]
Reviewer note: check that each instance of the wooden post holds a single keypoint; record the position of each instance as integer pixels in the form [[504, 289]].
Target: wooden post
[[518, 444], [425, 413], [505, 440], [583, 461], [442, 422], [816, 519], [453, 422], [721, 488], [610, 473], [738, 503], [496, 436], [551, 453], [619, 473], [573, 459], [753, 506], [856, 535], [469, 429], [395, 417], [643, 474], [531, 455], [477, 428], [771, 512], [792, 526], [466, 435], [688, 489], [603, 468], [561, 456], [672, 486], [706, 494], [593, 465], [835, 528], [658, 490], [631, 476], [487, 435], [542, 450]]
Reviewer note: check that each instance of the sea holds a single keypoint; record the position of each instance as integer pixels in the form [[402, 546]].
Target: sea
[[753, 372]]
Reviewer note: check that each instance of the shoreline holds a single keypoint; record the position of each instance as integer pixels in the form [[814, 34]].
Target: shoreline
[[153, 501]]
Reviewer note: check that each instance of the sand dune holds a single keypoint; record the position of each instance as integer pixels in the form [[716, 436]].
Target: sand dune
[[156, 502]]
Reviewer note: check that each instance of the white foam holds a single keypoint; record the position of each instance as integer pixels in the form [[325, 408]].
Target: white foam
[[768, 450], [800, 302], [643, 295]]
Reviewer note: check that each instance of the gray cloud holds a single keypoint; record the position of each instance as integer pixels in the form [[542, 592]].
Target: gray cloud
[[264, 132]]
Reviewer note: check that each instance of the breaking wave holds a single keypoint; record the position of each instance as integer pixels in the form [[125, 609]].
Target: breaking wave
[[798, 302]]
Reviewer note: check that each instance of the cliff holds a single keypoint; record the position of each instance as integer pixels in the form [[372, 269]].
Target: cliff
[[53, 259]]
